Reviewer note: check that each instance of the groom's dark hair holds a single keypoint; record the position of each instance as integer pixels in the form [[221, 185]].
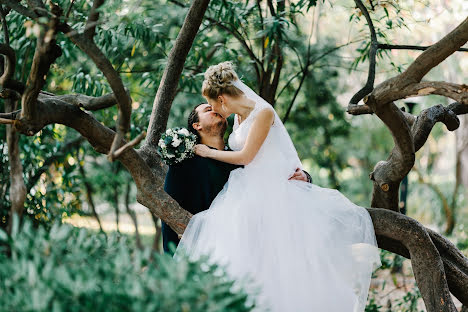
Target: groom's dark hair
[[193, 118]]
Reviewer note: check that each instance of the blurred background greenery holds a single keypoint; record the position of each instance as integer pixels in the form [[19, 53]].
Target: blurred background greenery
[[319, 50]]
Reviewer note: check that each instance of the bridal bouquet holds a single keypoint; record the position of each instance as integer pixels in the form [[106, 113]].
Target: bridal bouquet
[[175, 145]]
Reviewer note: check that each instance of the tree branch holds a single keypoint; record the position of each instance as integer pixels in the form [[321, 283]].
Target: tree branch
[[17, 187], [384, 46], [116, 84], [426, 120], [89, 103], [355, 109], [36, 4], [288, 111], [6, 121], [257, 63], [149, 181], [388, 174], [175, 64], [132, 215], [89, 195], [10, 64], [369, 86], [455, 264], [93, 17], [64, 149], [11, 115], [454, 91], [130, 144], [458, 108], [435, 55], [426, 261], [47, 51], [15, 5]]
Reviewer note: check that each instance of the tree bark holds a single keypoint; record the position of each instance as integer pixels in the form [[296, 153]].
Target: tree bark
[[424, 254], [175, 64]]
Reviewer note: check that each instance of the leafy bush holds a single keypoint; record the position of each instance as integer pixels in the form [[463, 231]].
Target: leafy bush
[[71, 269]]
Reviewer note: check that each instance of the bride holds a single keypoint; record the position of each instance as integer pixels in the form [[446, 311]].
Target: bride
[[308, 248]]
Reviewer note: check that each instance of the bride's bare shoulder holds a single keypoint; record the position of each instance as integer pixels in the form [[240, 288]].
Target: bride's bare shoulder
[[266, 115]]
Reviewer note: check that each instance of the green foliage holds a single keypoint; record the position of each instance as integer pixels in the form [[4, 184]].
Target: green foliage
[[461, 237], [137, 43], [70, 269], [386, 17], [372, 306], [56, 192], [408, 302], [317, 122], [50, 176]]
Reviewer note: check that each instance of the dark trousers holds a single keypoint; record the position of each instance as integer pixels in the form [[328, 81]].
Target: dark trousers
[[170, 239]]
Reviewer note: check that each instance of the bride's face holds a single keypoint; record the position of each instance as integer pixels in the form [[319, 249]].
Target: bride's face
[[221, 105]]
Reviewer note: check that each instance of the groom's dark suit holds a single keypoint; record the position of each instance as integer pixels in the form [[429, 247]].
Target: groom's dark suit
[[194, 184]]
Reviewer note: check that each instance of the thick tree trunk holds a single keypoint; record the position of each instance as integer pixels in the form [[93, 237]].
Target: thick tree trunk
[[424, 254], [175, 64], [409, 134]]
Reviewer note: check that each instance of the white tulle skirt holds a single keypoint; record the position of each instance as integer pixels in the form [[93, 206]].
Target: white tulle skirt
[[308, 248]]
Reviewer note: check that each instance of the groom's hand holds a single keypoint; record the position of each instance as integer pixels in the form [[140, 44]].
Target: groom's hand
[[300, 175]]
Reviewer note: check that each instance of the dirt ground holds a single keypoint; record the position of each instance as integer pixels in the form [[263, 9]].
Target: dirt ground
[[395, 287]]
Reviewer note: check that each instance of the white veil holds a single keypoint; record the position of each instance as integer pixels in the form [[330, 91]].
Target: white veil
[[287, 145]]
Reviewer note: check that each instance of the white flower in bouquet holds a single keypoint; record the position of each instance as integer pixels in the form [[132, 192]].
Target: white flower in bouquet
[[175, 145], [176, 141], [184, 132]]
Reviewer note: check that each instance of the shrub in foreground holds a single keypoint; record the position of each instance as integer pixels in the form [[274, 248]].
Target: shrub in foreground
[[72, 269]]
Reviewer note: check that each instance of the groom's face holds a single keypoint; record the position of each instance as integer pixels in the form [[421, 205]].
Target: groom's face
[[209, 122]]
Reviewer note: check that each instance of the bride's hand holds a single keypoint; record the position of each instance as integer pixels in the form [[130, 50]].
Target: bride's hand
[[202, 150]]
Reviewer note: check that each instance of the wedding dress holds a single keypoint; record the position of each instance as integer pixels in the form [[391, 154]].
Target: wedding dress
[[308, 248]]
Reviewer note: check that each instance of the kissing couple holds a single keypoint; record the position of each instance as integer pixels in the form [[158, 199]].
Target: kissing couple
[[257, 212]]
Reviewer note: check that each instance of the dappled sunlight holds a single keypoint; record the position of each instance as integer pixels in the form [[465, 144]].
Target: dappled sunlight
[[145, 222]]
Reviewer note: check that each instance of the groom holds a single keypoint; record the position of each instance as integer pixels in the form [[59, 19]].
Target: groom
[[195, 182]]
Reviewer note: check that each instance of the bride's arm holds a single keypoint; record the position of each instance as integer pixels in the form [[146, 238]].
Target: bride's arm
[[255, 138]]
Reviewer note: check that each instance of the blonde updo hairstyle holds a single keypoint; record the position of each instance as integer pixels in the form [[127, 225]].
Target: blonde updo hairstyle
[[218, 81]]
